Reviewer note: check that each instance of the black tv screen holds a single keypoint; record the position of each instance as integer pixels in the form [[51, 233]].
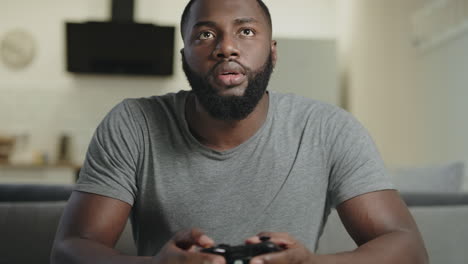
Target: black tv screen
[[119, 48]]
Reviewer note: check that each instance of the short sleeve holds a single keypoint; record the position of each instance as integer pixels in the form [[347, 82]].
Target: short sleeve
[[112, 158], [356, 166]]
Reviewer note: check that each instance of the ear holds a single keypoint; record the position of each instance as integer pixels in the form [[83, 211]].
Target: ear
[[274, 52]]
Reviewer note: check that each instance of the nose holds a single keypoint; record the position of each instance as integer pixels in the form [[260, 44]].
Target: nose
[[226, 48]]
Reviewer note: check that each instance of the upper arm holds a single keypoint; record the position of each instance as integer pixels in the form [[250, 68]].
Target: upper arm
[[93, 217], [370, 215]]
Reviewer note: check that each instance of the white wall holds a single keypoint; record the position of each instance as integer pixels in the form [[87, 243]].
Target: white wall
[[44, 100], [413, 102], [307, 67]]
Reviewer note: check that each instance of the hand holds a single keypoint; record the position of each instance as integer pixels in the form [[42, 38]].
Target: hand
[[183, 248], [294, 252]]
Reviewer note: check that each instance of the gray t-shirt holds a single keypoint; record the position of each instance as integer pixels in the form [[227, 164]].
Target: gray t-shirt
[[306, 158]]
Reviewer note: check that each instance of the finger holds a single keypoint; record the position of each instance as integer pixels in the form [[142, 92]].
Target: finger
[[287, 256], [178, 255], [193, 237], [275, 235], [253, 240], [282, 239], [197, 257], [269, 258], [259, 237]]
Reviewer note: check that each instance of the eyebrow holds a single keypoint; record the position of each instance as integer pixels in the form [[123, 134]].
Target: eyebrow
[[237, 21], [245, 20], [204, 23]]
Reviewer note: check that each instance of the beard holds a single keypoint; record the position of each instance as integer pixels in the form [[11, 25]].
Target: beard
[[230, 108]]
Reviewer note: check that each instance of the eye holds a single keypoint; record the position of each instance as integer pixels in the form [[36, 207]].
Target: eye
[[205, 35], [247, 32]]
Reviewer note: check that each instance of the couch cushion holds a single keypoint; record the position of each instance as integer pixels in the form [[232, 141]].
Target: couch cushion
[[443, 229], [443, 178], [27, 230]]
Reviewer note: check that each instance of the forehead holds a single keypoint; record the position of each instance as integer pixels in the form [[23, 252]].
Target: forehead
[[225, 10]]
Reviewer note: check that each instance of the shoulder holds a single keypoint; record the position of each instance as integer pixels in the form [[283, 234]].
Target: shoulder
[[295, 107], [327, 124], [157, 107], [169, 100], [141, 113]]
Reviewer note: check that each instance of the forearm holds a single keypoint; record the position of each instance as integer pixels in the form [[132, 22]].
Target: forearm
[[81, 251], [395, 247]]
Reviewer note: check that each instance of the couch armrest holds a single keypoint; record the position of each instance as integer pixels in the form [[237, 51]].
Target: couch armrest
[[434, 199], [34, 192]]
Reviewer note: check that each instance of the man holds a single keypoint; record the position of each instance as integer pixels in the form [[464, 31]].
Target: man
[[230, 162]]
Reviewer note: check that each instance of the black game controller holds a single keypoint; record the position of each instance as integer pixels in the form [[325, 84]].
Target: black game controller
[[243, 253]]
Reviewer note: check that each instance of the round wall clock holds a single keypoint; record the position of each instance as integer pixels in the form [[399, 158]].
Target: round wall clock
[[17, 49]]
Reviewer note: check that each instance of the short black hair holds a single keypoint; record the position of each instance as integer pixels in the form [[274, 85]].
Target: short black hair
[[184, 18]]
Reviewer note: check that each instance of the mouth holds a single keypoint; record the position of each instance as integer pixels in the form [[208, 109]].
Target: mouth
[[230, 79], [229, 74]]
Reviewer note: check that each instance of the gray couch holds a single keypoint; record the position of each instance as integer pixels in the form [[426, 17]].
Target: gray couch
[[29, 215], [442, 219]]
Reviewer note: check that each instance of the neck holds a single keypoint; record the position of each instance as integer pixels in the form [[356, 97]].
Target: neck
[[222, 135]]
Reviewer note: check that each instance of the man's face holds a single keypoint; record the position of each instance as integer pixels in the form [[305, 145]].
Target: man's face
[[228, 55]]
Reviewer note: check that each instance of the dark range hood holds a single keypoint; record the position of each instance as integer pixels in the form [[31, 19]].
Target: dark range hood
[[119, 46]]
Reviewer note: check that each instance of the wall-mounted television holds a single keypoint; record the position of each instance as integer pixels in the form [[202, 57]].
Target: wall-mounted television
[[119, 48]]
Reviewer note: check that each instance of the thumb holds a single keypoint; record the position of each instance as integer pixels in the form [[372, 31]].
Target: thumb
[[185, 239]]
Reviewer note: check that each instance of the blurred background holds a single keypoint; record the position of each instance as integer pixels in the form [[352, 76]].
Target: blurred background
[[399, 66]]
